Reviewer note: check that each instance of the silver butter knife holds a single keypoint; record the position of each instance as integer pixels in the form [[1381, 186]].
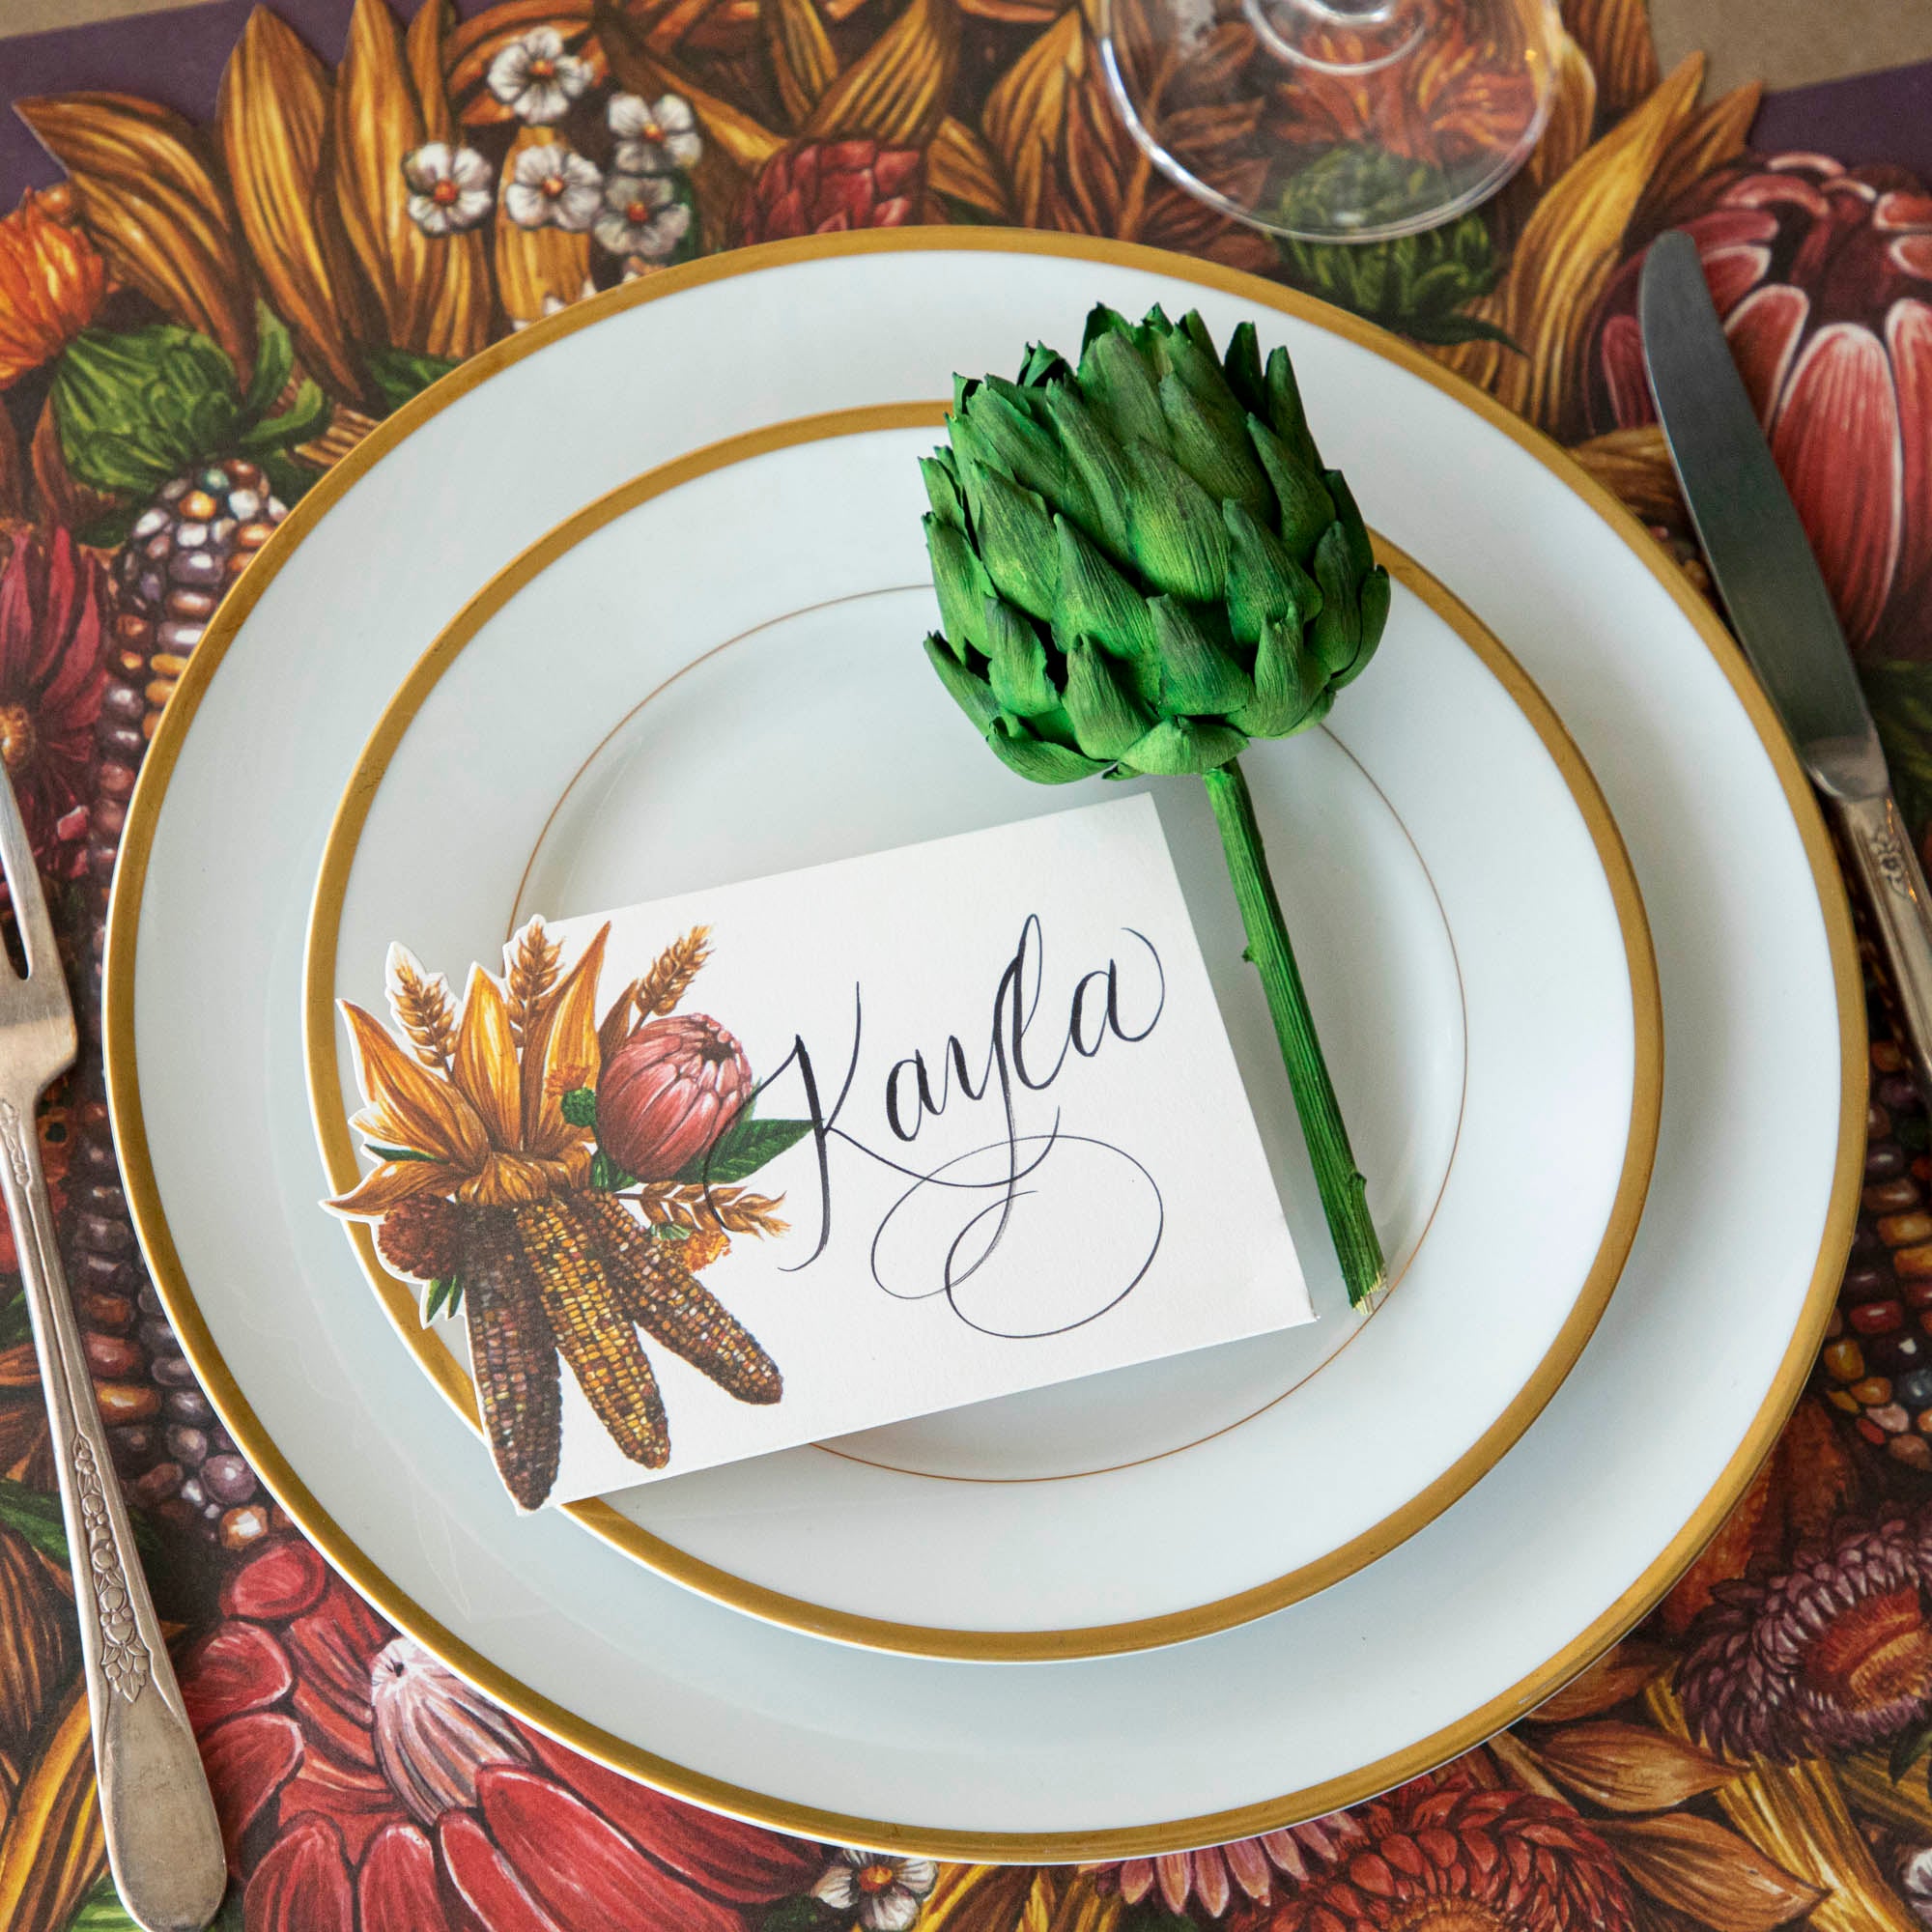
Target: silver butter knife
[[163, 1841], [1781, 610]]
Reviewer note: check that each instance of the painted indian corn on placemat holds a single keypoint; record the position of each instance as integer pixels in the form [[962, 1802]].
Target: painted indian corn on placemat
[[184, 350]]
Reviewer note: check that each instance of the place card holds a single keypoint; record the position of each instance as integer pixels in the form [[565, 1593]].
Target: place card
[[786, 1159]]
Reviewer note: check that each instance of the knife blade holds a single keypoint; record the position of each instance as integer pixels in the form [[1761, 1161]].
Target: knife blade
[[1781, 610]]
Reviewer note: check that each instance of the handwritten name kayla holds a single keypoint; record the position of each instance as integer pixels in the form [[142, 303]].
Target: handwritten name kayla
[[968, 1227]]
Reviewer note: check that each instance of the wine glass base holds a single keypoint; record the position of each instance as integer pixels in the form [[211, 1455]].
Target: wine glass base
[[1327, 121]]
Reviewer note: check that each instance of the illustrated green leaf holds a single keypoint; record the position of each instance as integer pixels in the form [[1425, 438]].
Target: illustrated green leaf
[[1909, 1746], [16, 1323], [135, 408], [274, 360], [396, 1154], [445, 1298], [398, 373], [802, 1914], [579, 1106], [290, 480], [35, 1516], [101, 1910], [744, 1147], [607, 1176]]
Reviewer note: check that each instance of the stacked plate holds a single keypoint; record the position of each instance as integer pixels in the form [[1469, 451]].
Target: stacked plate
[[629, 605]]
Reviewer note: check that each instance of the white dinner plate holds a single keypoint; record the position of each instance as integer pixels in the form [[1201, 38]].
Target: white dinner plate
[[1452, 1635], [1487, 994]]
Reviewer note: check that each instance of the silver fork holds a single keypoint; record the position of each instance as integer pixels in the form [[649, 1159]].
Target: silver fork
[[163, 1842]]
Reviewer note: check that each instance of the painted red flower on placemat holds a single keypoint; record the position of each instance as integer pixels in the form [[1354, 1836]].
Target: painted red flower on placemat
[[55, 616], [1824, 279], [823, 188], [1451, 1856], [1248, 1870], [365, 1788]]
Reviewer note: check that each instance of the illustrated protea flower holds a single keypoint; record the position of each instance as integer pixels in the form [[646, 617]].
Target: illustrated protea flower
[[551, 187], [823, 188], [881, 1892], [1141, 566], [668, 1093], [1250, 1869], [641, 216], [654, 137], [450, 188], [55, 616], [490, 1189], [535, 79], [1442, 1852], [1823, 279], [1832, 1654], [364, 1787], [52, 281]]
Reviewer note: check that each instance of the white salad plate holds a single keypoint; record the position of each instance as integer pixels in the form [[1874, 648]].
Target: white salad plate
[[1470, 933], [1444, 1640]]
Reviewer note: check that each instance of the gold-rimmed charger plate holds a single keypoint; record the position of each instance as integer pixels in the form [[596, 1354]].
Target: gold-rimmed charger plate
[[1452, 1635], [1567, 1027]]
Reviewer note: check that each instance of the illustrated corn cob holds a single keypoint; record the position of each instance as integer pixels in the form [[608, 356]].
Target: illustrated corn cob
[[512, 1354], [594, 1333], [1877, 1360], [657, 1291], [1141, 567]]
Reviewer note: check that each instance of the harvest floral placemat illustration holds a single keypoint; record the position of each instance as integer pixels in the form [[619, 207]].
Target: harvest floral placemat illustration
[[184, 350], [997, 1082]]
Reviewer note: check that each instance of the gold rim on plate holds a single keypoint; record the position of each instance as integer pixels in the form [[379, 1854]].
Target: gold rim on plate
[[400, 1300], [1025, 1847]]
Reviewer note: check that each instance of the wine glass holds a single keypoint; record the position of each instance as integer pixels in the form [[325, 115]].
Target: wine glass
[[1335, 119]]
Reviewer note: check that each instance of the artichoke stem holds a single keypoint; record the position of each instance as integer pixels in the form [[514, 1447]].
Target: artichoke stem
[[1343, 1191]]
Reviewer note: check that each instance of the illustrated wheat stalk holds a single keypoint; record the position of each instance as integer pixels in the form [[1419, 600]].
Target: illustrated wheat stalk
[[735, 1210], [421, 1002], [532, 974], [671, 974]]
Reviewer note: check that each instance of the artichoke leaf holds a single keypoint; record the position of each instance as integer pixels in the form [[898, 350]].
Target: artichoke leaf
[[1019, 750], [970, 692], [1285, 413], [1337, 630], [1306, 507], [1361, 553], [1198, 372], [1218, 459], [1016, 540], [961, 581], [1266, 585], [1374, 599], [1020, 678], [1100, 464], [1174, 527], [1289, 682], [1116, 384], [1106, 718], [1015, 443], [1095, 601], [942, 489], [1197, 675], [1177, 746], [1242, 367]]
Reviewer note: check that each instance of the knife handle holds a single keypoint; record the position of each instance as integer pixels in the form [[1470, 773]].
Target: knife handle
[[1901, 910]]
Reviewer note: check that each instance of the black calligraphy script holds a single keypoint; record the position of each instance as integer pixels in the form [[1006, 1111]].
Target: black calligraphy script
[[1031, 1189]]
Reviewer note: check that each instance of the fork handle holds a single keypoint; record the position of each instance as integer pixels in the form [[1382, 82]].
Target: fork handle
[[163, 1841]]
